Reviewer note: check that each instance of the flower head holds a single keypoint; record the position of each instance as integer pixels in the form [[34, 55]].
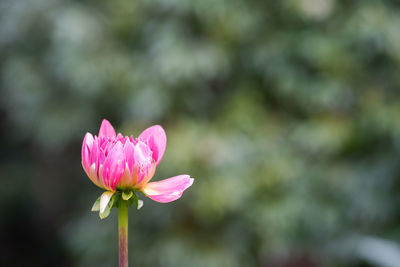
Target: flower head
[[116, 162]]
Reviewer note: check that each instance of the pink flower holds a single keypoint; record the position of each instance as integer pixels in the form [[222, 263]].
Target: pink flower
[[120, 162]]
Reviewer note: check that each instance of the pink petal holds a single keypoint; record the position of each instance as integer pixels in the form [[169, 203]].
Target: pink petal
[[94, 152], [102, 156], [120, 138], [127, 180], [114, 166], [129, 149], [91, 173], [156, 139], [106, 129], [86, 148], [169, 189], [143, 161]]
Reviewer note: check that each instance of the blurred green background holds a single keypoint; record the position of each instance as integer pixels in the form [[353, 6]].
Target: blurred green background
[[286, 112]]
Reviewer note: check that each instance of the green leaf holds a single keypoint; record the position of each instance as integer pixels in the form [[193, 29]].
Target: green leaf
[[126, 195], [96, 205]]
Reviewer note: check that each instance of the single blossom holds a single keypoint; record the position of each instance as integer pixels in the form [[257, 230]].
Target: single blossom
[[116, 162]]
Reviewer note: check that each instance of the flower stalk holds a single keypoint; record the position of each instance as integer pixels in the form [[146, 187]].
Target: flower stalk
[[123, 233]]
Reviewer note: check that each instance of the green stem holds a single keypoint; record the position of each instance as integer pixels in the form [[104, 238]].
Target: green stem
[[123, 233]]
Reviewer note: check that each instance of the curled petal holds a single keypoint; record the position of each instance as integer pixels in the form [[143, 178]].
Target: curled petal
[[86, 149], [106, 129], [169, 189], [114, 166], [156, 139]]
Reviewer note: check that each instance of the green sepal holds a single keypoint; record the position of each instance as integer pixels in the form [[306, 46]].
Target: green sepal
[[126, 195], [139, 204], [134, 200], [105, 213], [107, 199], [110, 199], [96, 205]]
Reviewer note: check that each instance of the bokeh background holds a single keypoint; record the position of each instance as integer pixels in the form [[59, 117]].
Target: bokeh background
[[286, 112]]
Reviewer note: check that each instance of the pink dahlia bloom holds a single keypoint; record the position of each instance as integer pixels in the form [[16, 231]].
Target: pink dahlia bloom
[[120, 162]]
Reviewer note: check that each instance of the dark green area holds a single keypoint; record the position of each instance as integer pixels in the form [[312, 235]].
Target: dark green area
[[286, 112]]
